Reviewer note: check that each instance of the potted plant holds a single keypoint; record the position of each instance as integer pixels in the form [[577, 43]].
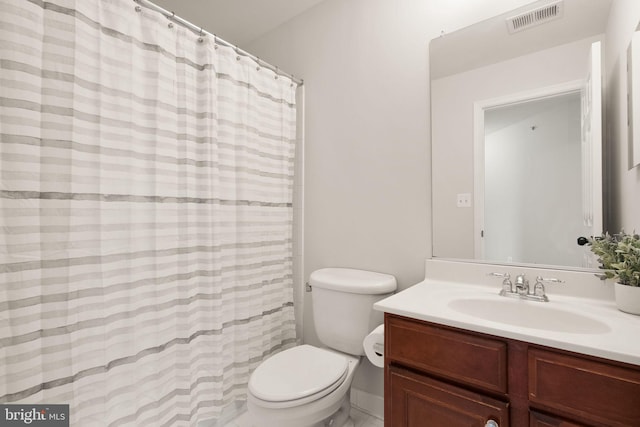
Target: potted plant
[[619, 258]]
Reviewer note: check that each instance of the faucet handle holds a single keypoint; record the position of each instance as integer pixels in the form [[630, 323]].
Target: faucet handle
[[541, 279], [538, 288], [538, 291], [507, 285], [505, 275]]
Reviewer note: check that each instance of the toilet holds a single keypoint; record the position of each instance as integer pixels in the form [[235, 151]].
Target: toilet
[[308, 386]]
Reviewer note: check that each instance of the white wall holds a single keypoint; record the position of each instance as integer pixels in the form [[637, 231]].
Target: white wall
[[367, 155], [622, 186]]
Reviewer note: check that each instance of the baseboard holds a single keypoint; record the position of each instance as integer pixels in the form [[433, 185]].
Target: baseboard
[[370, 403]]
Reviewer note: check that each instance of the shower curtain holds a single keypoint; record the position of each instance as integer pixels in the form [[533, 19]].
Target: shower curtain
[[145, 214]]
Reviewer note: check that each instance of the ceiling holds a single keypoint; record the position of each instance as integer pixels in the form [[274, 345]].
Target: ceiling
[[488, 42], [237, 21]]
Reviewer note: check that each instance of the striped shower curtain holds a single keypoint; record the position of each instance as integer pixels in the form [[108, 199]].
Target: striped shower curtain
[[145, 214]]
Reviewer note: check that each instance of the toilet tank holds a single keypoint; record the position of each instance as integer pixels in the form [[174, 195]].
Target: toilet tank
[[342, 302]]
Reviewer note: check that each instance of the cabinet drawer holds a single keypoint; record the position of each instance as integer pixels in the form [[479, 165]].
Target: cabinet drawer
[[462, 357], [417, 400], [585, 388], [541, 420]]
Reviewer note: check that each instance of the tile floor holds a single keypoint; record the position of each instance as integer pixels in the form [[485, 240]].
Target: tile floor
[[360, 419]]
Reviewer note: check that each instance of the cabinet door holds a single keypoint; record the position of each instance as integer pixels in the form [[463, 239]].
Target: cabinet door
[[601, 393], [419, 401], [537, 419]]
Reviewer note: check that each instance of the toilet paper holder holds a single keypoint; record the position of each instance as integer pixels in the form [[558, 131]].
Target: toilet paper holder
[[374, 346], [379, 349]]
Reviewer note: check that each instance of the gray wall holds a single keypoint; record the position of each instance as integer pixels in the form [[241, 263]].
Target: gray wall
[[367, 154], [622, 186]]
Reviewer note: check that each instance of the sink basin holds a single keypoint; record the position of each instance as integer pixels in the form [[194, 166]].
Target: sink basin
[[528, 314]]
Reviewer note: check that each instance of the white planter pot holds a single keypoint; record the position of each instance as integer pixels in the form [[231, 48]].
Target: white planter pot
[[628, 298]]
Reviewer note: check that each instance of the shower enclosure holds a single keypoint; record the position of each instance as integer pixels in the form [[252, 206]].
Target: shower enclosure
[[145, 214]]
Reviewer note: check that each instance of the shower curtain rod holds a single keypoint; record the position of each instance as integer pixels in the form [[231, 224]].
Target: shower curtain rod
[[199, 30]]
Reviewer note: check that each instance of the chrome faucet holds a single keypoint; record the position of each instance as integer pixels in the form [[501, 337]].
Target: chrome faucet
[[521, 287]]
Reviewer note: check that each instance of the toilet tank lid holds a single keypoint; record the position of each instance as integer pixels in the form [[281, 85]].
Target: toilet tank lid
[[353, 281]]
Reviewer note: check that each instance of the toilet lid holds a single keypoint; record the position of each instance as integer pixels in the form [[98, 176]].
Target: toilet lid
[[297, 373]]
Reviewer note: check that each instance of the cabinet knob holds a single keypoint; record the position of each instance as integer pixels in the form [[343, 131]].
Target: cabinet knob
[[491, 423]]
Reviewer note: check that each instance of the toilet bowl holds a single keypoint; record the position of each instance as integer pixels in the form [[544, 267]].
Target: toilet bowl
[[300, 387], [309, 386]]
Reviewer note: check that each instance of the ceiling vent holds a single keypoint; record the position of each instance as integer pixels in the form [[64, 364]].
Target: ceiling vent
[[535, 17]]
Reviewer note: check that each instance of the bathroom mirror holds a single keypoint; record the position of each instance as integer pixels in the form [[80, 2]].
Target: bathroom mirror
[[516, 112]]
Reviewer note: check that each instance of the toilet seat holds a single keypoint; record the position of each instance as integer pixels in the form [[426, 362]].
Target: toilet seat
[[297, 376]]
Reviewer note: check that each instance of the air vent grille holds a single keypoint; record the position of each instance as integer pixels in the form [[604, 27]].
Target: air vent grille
[[535, 17]]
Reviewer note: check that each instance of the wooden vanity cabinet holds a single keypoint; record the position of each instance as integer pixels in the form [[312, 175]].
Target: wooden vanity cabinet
[[600, 392], [419, 400], [438, 376], [538, 419]]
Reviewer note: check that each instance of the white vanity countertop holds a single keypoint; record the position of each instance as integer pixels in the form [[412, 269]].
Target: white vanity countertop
[[615, 335]]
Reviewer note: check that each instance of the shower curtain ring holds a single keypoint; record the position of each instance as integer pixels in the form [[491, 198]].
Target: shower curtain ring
[[200, 39], [170, 18], [215, 41], [237, 53], [258, 62], [276, 76]]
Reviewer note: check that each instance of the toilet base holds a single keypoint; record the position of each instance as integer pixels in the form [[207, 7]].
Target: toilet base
[[340, 418]]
